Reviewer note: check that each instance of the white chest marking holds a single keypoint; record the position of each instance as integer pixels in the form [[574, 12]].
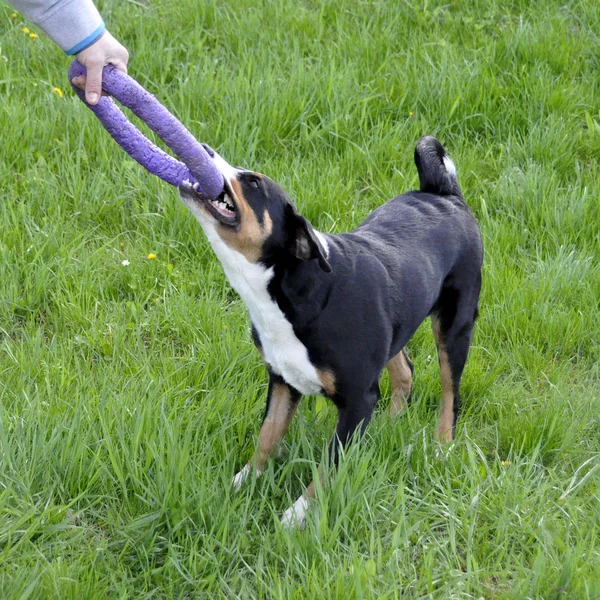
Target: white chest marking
[[283, 351]]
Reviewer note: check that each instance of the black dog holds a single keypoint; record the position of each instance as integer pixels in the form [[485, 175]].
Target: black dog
[[330, 312]]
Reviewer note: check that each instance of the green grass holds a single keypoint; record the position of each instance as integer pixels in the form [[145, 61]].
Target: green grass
[[130, 395]]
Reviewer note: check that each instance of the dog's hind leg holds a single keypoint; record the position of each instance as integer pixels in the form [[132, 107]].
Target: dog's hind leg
[[282, 401], [452, 321], [401, 372]]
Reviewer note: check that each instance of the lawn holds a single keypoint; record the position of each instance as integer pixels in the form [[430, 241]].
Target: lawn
[[130, 395]]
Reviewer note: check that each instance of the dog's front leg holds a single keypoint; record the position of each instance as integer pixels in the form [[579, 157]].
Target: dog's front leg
[[353, 416], [282, 401]]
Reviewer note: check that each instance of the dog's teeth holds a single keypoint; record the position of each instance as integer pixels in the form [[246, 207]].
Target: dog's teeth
[[195, 187], [223, 205]]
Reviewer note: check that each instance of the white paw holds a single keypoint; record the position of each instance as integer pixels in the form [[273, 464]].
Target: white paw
[[239, 480], [295, 516]]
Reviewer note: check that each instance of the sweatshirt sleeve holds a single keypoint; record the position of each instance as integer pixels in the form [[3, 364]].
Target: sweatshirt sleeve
[[72, 24]]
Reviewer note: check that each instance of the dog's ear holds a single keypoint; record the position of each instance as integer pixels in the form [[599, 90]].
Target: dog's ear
[[305, 245]]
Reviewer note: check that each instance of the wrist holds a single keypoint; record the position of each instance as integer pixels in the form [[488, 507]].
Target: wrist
[[94, 37]]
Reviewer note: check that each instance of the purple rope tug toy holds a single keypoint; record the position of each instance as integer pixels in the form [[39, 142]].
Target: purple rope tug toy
[[197, 165]]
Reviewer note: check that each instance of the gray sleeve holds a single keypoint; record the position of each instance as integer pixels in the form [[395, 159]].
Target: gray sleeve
[[71, 24]]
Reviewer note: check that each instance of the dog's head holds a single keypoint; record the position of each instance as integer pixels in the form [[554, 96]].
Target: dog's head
[[254, 217]]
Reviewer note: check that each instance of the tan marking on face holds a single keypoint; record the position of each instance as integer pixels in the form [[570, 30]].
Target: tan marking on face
[[446, 417], [276, 423], [401, 380], [249, 236], [327, 379]]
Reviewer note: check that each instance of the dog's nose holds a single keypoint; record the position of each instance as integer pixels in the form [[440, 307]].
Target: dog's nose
[[209, 150]]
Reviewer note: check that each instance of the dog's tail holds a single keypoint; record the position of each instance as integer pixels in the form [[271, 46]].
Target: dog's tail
[[437, 173]]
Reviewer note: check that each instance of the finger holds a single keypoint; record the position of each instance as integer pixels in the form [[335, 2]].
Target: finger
[[121, 66], [93, 85], [120, 62], [79, 81]]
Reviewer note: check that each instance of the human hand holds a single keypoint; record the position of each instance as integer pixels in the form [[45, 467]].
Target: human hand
[[103, 52]]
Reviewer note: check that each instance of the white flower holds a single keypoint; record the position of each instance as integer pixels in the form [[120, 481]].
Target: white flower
[[125, 263]]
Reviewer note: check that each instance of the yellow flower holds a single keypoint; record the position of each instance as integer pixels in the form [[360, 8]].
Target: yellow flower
[[14, 15], [58, 92], [151, 256], [411, 113], [33, 36], [505, 463], [25, 29]]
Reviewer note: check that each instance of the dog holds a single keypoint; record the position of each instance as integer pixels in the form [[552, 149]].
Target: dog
[[330, 312]]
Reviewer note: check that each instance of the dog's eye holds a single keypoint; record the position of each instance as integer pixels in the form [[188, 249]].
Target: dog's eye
[[254, 183]]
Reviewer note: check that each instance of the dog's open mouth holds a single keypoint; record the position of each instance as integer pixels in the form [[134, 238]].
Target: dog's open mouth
[[222, 208]]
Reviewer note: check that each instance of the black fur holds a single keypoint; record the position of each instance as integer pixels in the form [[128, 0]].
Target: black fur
[[419, 254]]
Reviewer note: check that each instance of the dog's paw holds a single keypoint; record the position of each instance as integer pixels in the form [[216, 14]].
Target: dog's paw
[[295, 516], [240, 478], [238, 481]]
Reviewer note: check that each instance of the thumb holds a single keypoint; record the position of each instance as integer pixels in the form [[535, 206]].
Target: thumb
[[93, 84]]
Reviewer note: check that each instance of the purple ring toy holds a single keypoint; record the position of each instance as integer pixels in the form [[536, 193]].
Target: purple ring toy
[[197, 165]]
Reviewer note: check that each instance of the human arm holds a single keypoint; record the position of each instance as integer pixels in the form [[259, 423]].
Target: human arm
[[78, 29]]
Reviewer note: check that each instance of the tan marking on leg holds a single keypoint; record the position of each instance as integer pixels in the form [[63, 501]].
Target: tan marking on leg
[[401, 380], [249, 236], [275, 425], [327, 379], [310, 491], [446, 417]]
